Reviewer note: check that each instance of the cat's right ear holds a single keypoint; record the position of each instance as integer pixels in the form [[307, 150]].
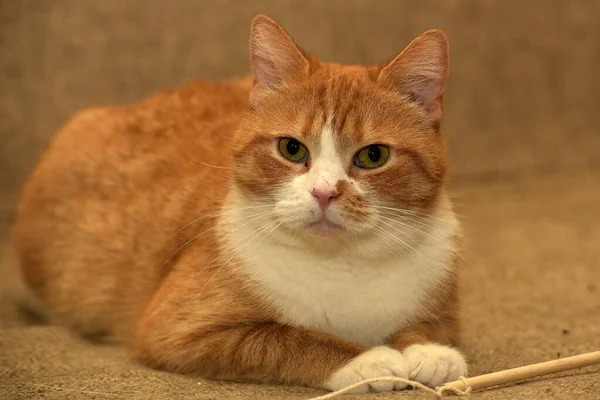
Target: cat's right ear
[[274, 56], [420, 71]]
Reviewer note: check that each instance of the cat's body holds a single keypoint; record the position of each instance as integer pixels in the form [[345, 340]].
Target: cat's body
[[173, 226], [140, 161]]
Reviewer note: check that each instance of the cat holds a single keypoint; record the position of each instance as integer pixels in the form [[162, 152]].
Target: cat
[[293, 227]]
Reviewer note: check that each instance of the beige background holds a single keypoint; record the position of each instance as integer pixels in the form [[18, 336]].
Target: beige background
[[522, 120]]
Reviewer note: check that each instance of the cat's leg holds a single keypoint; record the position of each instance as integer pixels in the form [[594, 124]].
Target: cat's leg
[[220, 341], [429, 346], [429, 349]]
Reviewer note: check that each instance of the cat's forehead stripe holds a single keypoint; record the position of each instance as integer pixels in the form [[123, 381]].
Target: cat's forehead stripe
[[336, 102], [322, 103], [343, 111], [308, 125]]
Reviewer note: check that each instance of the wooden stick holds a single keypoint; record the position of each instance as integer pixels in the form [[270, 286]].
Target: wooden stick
[[528, 371], [483, 381]]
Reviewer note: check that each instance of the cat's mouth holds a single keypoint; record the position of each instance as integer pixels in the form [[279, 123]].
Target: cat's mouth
[[325, 227]]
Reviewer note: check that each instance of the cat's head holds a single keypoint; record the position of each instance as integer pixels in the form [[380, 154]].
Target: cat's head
[[341, 151]]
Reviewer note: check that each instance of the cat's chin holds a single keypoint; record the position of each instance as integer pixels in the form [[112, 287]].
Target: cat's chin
[[323, 235], [324, 227]]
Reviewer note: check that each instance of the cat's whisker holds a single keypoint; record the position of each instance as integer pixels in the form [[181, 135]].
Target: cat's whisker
[[294, 231], [439, 240], [427, 217], [185, 244], [236, 243], [264, 237], [217, 213], [380, 219], [239, 249], [255, 217], [410, 213], [212, 214], [391, 243], [406, 211], [400, 241], [210, 165], [411, 228], [421, 221]]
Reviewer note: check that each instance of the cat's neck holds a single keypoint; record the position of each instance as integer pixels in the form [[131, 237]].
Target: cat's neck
[[362, 291]]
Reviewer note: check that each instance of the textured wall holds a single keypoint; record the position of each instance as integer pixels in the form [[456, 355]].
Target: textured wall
[[523, 96]]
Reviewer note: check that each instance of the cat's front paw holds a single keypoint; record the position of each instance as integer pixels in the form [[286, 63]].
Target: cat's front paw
[[434, 364], [377, 362]]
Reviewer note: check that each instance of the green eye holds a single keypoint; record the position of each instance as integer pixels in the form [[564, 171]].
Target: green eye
[[293, 150], [372, 156]]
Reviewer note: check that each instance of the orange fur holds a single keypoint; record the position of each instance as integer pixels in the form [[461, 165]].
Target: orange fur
[[99, 229]]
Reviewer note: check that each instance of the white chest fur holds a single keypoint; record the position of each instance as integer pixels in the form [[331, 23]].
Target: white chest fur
[[349, 294]]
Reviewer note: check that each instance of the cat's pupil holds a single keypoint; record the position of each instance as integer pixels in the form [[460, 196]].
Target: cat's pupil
[[374, 153], [293, 147]]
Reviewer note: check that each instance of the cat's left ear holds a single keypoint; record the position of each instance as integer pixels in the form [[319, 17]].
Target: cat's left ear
[[420, 71], [274, 56]]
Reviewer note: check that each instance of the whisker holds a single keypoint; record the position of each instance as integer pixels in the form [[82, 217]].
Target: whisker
[[212, 214], [215, 213], [410, 227], [422, 221], [414, 229], [255, 217], [387, 241], [238, 250], [402, 242], [406, 212], [212, 166], [236, 243], [264, 237]]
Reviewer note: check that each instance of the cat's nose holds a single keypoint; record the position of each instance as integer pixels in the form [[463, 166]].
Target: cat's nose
[[323, 196]]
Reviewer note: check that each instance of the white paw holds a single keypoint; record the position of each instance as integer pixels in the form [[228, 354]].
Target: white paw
[[434, 364], [377, 362]]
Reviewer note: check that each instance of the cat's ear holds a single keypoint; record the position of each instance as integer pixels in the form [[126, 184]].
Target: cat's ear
[[420, 71], [274, 56]]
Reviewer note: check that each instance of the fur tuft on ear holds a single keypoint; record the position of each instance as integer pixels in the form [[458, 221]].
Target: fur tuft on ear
[[420, 71], [274, 56]]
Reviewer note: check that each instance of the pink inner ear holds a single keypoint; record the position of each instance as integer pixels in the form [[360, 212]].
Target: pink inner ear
[[421, 89], [430, 91], [425, 91], [265, 72], [420, 72], [274, 56]]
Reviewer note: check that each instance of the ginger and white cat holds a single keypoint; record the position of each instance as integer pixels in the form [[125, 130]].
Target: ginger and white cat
[[292, 229]]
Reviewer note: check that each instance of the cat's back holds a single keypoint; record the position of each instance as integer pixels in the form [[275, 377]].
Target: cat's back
[[97, 213], [165, 131]]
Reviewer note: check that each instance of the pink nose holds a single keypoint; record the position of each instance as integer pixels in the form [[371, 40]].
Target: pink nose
[[323, 196]]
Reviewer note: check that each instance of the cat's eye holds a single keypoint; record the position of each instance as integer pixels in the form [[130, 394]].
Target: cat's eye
[[293, 150], [372, 156]]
